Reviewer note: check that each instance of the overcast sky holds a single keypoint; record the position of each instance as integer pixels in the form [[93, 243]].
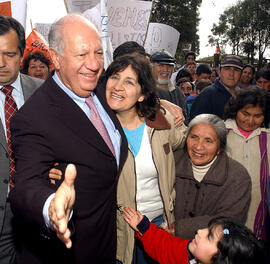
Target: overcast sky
[[210, 11]]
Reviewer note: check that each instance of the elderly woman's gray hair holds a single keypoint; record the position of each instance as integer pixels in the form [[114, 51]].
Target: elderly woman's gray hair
[[217, 124]]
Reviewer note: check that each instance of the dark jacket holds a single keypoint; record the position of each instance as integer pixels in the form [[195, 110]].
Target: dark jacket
[[51, 127], [224, 191], [211, 100]]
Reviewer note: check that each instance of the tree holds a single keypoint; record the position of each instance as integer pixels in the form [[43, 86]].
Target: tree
[[257, 33], [228, 30], [246, 28], [181, 15]]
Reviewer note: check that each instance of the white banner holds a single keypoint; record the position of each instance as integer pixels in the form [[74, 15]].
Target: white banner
[[43, 12], [161, 36], [99, 16], [128, 20], [18, 10], [80, 6], [43, 29]]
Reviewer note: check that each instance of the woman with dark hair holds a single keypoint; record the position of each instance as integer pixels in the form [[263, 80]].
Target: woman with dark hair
[[147, 178], [247, 75], [263, 79], [36, 65], [206, 186], [247, 116], [183, 74]]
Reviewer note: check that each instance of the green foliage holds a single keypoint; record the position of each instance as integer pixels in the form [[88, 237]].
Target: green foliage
[[246, 28], [183, 16]]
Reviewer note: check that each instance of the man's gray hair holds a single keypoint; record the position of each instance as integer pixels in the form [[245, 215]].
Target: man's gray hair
[[216, 122], [56, 37]]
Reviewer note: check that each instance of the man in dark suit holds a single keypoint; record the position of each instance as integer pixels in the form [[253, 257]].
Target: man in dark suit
[[12, 44], [56, 124]]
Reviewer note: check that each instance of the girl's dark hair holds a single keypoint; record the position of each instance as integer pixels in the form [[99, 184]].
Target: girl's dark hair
[[148, 107], [254, 96], [35, 56], [128, 47], [238, 244], [183, 73], [263, 73], [183, 80]]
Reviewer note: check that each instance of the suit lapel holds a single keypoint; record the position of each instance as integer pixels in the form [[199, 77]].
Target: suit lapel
[[29, 85], [3, 140], [100, 92], [70, 114]]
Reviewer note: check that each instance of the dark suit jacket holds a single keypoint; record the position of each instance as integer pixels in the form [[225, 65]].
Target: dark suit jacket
[[29, 85], [50, 127]]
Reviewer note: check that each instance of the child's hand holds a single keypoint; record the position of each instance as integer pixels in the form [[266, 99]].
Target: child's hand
[[132, 217]]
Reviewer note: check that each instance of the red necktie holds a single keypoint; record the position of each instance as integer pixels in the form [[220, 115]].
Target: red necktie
[[10, 110], [97, 122]]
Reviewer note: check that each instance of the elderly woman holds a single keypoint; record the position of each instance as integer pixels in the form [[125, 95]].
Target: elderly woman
[[247, 117], [208, 183], [36, 65], [147, 178]]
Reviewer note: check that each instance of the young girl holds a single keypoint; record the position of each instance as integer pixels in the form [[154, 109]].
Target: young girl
[[223, 242]]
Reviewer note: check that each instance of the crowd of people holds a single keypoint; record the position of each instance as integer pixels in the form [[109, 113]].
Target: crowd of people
[[136, 163]]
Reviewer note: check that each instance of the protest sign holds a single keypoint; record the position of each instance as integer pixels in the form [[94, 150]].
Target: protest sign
[[15, 9], [39, 11], [161, 36], [80, 6], [99, 16], [36, 42], [128, 20]]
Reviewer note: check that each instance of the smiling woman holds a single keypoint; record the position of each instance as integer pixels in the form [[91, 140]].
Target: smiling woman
[[36, 65], [206, 186], [147, 178], [123, 91], [247, 117], [203, 144]]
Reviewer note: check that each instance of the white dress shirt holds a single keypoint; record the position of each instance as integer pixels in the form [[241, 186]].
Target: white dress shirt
[[17, 94]]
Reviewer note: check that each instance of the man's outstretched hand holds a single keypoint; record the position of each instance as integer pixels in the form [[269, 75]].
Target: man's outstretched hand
[[61, 205]]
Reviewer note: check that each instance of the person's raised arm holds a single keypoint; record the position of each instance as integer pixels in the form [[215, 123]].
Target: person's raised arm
[[175, 111]]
